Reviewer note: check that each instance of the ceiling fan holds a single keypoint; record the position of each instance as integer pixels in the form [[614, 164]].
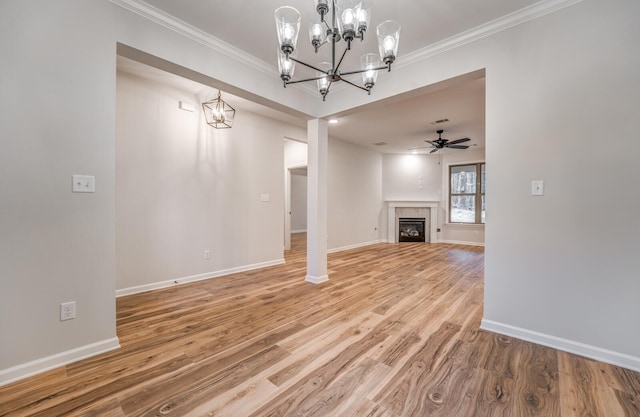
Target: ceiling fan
[[444, 143]]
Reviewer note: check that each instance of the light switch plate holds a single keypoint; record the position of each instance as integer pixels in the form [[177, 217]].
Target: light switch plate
[[84, 184], [537, 187], [265, 198]]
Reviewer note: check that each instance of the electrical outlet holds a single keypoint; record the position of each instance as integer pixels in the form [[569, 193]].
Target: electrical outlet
[[68, 311], [83, 184], [206, 254]]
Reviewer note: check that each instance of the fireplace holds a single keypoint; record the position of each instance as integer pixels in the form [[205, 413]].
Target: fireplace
[[427, 210], [411, 229]]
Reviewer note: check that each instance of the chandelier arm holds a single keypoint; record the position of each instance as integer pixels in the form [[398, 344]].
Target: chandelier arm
[[306, 79], [310, 66], [335, 70], [354, 84], [329, 22], [320, 46], [364, 70]]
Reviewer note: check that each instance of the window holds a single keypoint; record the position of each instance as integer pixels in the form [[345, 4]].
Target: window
[[466, 193]]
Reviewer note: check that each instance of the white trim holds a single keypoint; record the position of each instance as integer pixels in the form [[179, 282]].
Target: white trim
[[461, 242], [518, 17], [354, 246], [193, 278], [38, 366], [183, 28], [317, 280], [299, 231], [171, 22], [463, 226], [484, 30], [589, 351]]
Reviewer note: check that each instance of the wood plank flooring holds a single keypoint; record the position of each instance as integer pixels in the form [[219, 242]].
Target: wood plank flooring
[[394, 333]]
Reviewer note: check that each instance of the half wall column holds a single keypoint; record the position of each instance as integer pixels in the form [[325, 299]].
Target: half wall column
[[317, 138]]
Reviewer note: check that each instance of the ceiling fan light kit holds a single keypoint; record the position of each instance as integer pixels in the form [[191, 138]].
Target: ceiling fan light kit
[[349, 20]]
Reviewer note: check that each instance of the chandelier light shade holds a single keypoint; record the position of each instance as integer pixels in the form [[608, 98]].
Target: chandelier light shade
[[323, 7], [285, 65], [218, 113], [288, 26], [339, 20], [364, 15], [388, 36], [323, 78], [348, 11], [368, 63], [317, 35]]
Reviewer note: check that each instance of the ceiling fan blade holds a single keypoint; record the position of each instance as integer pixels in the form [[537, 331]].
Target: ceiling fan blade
[[457, 146], [453, 142], [431, 142], [420, 147], [435, 150]]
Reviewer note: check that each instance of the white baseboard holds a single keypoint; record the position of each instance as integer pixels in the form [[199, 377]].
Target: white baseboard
[[317, 280], [588, 351], [28, 369], [461, 242], [357, 245], [299, 231], [199, 277]]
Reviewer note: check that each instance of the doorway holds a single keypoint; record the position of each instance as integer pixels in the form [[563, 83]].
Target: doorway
[[295, 203]]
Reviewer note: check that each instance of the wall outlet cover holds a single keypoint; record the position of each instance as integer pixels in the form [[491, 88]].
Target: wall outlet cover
[[83, 184], [67, 310], [537, 187]]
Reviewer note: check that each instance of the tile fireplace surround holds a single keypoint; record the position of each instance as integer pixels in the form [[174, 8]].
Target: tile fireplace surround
[[392, 205]]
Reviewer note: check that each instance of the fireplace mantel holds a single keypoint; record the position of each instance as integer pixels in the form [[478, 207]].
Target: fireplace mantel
[[392, 236]]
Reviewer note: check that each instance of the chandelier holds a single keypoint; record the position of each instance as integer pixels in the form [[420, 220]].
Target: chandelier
[[218, 113], [349, 20]]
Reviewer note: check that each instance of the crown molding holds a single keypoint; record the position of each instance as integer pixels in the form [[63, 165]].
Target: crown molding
[[510, 20], [181, 27]]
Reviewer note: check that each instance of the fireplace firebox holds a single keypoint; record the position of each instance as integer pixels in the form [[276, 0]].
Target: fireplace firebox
[[411, 229]]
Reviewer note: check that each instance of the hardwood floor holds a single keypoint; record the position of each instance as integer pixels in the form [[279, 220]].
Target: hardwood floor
[[393, 333]]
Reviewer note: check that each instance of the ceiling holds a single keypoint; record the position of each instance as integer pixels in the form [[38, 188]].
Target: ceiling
[[402, 122]]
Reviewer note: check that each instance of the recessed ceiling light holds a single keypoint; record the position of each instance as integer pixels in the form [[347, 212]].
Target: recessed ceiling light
[[333, 121], [415, 152]]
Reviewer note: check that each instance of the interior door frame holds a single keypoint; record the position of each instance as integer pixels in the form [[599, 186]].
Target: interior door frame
[[287, 205]]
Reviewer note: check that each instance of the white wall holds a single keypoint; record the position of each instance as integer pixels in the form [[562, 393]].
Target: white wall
[[562, 96], [559, 269], [183, 187], [411, 177], [424, 177], [559, 90], [295, 153], [57, 112], [298, 203], [354, 200]]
